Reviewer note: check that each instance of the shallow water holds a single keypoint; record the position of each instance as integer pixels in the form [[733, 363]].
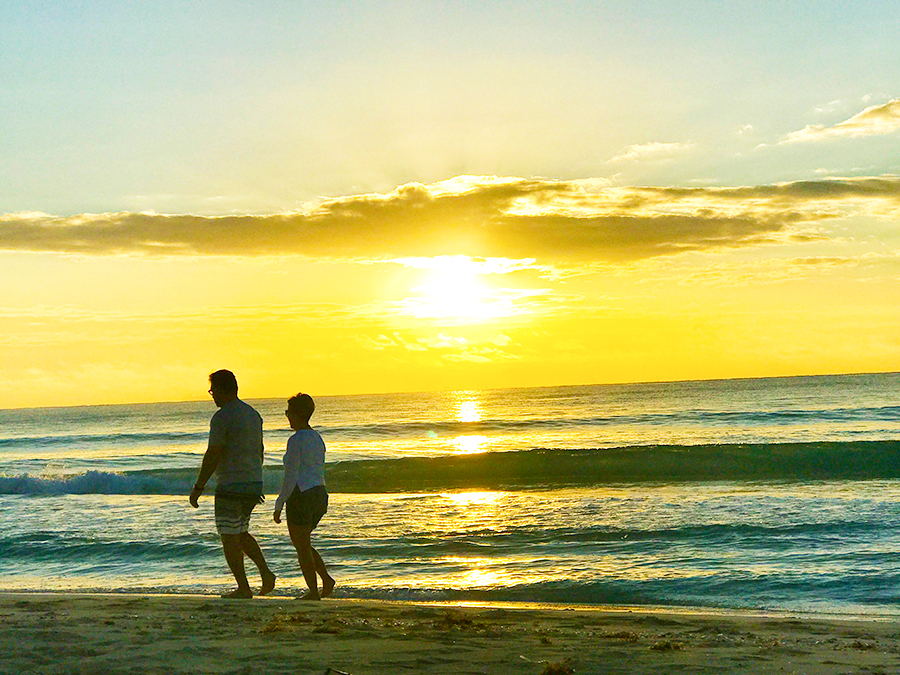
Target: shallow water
[[94, 498]]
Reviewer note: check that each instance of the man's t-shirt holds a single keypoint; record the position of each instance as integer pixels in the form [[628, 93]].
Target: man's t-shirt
[[238, 428]]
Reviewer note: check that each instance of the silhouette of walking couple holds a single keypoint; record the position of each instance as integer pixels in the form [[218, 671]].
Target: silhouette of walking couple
[[235, 456]]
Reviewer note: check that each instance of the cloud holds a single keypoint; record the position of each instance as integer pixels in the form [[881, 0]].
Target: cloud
[[651, 151], [876, 120], [484, 217], [789, 200], [453, 348], [318, 312], [477, 266], [762, 271]]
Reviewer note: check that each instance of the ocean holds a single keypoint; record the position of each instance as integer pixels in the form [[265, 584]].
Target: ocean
[[765, 494]]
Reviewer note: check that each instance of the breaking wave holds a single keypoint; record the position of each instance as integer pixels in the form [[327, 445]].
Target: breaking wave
[[530, 469]]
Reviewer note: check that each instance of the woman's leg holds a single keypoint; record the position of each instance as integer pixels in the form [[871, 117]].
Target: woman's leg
[[300, 537], [327, 579]]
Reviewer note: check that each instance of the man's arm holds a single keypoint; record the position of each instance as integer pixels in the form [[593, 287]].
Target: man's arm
[[211, 459]]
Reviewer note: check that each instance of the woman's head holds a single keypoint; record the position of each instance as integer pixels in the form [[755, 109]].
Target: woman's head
[[301, 406]]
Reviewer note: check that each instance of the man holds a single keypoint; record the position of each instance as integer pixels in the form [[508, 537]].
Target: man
[[235, 455]]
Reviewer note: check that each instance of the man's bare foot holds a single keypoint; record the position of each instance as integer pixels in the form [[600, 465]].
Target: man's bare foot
[[309, 596], [239, 593], [327, 587], [268, 584]]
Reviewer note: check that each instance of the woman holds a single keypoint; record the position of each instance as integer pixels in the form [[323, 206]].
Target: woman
[[303, 493]]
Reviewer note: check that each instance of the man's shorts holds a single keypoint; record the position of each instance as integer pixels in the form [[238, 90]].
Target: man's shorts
[[307, 508], [233, 513]]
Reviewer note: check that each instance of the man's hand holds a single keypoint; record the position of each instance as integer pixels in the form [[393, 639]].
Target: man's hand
[[211, 459], [277, 516], [195, 495]]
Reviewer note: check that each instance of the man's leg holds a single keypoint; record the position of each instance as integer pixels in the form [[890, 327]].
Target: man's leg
[[254, 552], [234, 556]]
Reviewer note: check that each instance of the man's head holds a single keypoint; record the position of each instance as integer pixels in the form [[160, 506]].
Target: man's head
[[301, 407], [223, 386]]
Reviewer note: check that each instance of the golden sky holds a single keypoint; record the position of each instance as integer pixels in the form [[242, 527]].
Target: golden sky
[[534, 200]]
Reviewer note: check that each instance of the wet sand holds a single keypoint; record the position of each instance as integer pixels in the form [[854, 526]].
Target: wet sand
[[75, 633]]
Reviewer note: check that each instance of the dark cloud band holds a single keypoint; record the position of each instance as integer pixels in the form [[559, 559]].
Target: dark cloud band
[[551, 220]]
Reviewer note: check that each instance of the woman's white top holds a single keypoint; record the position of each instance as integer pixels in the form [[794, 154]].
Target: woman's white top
[[304, 464]]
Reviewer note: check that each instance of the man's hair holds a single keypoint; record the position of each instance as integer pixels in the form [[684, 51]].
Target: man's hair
[[302, 404], [224, 381]]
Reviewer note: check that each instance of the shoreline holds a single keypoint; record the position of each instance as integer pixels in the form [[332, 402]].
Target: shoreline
[[63, 632], [686, 610]]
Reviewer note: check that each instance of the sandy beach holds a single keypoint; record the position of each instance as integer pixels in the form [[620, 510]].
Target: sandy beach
[[56, 633]]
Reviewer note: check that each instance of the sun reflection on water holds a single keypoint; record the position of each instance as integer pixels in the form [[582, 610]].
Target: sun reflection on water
[[469, 498], [469, 411], [469, 445]]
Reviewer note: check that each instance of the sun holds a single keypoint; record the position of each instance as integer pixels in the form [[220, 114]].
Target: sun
[[453, 289]]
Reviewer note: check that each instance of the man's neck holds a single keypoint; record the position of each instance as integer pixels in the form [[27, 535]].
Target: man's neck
[[226, 399]]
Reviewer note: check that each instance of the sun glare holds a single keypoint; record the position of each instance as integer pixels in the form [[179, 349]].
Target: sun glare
[[468, 412], [468, 409], [469, 445], [452, 289], [470, 498]]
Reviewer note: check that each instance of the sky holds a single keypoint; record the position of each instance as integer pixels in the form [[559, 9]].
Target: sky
[[362, 197]]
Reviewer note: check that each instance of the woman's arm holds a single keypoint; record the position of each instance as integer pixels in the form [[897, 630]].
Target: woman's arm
[[291, 471]]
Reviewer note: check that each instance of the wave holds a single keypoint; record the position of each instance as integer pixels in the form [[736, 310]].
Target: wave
[[689, 417], [69, 440], [758, 591], [803, 462], [530, 469], [546, 543], [51, 547], [97, 482], [416, 429]]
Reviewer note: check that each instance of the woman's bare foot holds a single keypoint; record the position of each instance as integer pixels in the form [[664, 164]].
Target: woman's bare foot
[[309, 596], [239, 593], [268, 584], [327, 586]]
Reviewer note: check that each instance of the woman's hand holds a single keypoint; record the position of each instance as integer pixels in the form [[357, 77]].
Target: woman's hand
[[277, 516]]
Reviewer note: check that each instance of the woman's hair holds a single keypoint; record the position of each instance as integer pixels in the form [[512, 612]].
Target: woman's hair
[[302, 404]]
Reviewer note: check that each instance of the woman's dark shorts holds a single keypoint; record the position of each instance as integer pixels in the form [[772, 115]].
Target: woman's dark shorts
[[307, 508]]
